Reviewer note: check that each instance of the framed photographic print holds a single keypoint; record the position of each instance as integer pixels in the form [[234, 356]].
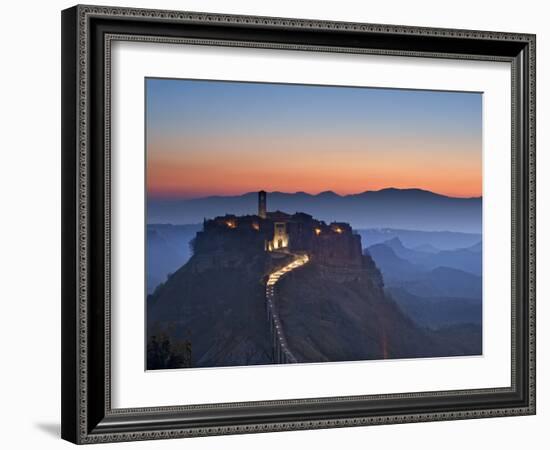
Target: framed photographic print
[[281, 224]]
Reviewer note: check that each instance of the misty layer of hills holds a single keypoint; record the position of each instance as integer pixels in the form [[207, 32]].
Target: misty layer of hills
[[413, 209], [167, 249], [435, 288]]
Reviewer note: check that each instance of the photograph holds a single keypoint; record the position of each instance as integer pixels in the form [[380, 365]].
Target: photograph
[[301, 223]]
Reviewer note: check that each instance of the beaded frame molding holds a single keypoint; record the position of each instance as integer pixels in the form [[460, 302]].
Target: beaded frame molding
[[87, 35]]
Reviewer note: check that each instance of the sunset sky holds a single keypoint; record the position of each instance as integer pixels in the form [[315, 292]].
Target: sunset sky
[[225, 138]]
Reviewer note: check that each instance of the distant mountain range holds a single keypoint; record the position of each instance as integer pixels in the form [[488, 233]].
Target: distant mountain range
[[465, 259], [414, 209]]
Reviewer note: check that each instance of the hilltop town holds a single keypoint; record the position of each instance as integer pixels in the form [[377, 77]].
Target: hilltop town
[[278, 233]]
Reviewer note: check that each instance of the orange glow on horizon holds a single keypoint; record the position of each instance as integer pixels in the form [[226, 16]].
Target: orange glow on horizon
[[207, 138], [178, 169], [166, 181]]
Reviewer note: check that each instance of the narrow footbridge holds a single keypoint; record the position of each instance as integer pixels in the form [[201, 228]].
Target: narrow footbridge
[[281, 352]]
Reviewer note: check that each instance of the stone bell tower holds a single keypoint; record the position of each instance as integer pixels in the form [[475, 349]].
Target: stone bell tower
[[262, 204]]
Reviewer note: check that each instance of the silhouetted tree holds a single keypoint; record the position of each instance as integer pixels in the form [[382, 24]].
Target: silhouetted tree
[[164, 354]]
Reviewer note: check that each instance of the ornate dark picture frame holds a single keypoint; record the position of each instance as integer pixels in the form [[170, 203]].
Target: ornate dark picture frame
[[87, 33]]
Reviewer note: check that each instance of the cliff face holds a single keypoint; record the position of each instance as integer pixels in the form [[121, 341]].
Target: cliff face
[[216, 303], [343, 315]]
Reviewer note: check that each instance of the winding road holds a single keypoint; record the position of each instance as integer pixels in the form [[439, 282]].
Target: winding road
[[281, 352]]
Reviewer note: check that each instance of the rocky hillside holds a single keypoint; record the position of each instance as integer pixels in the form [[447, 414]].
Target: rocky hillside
[[214, 305], [339, 318]]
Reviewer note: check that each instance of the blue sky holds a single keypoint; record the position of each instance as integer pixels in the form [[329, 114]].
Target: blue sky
[[231, 122]]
